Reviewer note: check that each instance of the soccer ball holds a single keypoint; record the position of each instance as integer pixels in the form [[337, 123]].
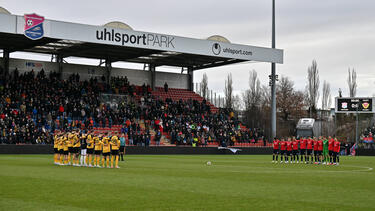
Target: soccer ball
[[208, 163], [29, 22]]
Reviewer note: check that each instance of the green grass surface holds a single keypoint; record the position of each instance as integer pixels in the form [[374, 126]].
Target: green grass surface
[[179, 182]]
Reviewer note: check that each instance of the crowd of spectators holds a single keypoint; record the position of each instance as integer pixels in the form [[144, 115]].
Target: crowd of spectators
[[34, 105], [367, 139], [192, 123]]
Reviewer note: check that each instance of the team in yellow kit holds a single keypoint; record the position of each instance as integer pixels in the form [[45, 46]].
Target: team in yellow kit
[[68, 147]]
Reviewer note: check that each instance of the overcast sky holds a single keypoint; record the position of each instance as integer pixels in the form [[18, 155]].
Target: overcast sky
[[338, 34]]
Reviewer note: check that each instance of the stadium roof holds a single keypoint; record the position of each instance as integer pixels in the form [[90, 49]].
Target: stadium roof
[[117, 41]]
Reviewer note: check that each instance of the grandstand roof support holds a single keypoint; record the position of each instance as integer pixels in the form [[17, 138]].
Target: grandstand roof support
[[101, 62], [6, 53], [59, 60], [108, 69], [152, 74], [190, 78]]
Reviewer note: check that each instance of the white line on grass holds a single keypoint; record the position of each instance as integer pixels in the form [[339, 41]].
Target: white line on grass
[[365, 168], [304, 170]]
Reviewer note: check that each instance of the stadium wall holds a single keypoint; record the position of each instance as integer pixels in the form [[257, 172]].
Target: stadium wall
[[137, 77], [133, 150], [365, 152]]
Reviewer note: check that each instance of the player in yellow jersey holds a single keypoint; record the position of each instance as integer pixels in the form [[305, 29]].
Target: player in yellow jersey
[[115, 146], [61, 149], [90, 148], [76, 148], [70, 148], [98, 150], [66, 143], [58, 137], [106, 151], [55, 149]]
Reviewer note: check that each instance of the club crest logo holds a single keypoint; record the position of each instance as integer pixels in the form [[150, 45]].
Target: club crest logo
[[344, 105], [33, 26], [365, 105]]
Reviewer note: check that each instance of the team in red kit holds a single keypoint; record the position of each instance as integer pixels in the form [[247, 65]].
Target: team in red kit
[[307, 150]]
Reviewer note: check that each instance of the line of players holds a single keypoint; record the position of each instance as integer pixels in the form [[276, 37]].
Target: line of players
[[72, 148], [321, 150]]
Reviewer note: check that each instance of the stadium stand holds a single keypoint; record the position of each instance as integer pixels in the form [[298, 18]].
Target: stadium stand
[[367, 138], [177, 94], [34, 105]]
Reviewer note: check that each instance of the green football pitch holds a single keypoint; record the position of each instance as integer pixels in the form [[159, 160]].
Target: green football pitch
[[185, 182]]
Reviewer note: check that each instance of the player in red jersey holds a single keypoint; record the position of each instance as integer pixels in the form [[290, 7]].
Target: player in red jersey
[[309, 147], [336, 150], [289, 150], [295, 149], [275, 153], [320, 149], [331, 143], [302, 148], [282, 150], [316, 154]]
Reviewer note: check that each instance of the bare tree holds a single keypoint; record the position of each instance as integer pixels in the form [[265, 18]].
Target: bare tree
[[204, 86], [313, 87], [325, 124], [228, 91], [253, 95], [326, 96], [352, 82], [265, 96], [284, 97], [252, 98], [237, 103], [291, 106]]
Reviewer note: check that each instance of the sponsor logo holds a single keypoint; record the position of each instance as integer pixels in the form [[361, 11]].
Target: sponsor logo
[[216, 48], [365, 105], [344, 105], [33, 64], [33, 28], [237, 51], [147, 39]]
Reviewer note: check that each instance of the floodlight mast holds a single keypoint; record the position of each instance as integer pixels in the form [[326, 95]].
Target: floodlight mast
[[273, 79], [356, 124]]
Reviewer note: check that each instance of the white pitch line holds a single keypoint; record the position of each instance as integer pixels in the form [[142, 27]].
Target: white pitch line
[[364, 169]]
